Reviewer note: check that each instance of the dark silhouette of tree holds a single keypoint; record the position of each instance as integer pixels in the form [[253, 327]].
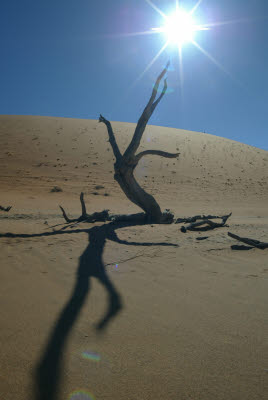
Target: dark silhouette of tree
[[126, 163]]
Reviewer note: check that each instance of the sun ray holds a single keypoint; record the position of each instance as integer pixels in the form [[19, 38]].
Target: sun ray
[[232, 21], [195, 7], [156, 8], [202, 28], [149, 66], [127, 92], [122, 35], [181, 78], [216, 63], [210, 57]]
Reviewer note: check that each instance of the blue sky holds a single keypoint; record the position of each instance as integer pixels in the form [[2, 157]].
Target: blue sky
[[75, 58]]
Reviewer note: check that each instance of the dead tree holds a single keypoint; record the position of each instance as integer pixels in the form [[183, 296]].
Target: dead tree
[[126, 163]]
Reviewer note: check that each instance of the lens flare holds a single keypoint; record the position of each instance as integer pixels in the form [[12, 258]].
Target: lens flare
[[81, 395], [90, 355]]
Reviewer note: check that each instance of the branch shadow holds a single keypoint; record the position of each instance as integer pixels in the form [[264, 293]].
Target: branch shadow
[[48, 371]]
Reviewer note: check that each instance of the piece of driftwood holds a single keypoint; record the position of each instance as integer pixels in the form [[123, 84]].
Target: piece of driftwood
[[206, 224], [5, 208], [250, 242]]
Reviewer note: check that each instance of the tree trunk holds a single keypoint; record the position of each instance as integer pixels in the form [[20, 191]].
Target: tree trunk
[[124, 175]]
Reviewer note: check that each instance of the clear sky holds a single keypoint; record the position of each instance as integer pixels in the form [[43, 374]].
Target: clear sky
[[77, 59]]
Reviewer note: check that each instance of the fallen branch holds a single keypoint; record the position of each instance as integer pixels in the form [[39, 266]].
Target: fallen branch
[[101, 216], [197, 217], [167, 217], [251, 242], [206, 224], [96, 216], [5, 208]]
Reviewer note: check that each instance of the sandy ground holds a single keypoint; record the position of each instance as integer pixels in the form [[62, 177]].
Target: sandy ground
[[193, 323]]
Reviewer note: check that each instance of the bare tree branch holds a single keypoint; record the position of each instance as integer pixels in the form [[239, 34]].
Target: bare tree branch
[[251, 242], [208, 224], [112, 140], [83, 206], [196, 217], [157, 82], [5, 208], [68, 220], [160, 97], [147, 112], [155, 153], [84, 217]]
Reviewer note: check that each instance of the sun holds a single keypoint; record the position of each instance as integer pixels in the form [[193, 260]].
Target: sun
[[179, 28]]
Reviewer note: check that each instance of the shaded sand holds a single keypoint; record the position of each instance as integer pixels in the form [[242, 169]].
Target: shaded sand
[[193, 321]]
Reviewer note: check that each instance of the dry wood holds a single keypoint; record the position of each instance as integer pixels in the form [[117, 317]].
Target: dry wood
[[104, 216], [251, 242], [197, 217], [5, 208], [96, 216], [206, 224], [125, 164]]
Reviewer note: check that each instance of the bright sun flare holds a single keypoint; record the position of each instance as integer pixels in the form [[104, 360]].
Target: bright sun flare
[[179, 28]]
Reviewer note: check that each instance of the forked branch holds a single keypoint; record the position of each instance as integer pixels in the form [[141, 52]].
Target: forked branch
[[84, 217], [145, 116]]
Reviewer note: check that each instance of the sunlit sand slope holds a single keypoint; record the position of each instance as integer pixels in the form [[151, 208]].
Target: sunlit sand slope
[[193, 323], [40, 152]]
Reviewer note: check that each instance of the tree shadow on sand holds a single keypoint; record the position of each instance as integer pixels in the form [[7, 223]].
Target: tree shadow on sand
[[48, 371]]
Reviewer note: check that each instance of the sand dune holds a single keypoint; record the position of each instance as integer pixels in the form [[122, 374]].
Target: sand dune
[[193, 323]]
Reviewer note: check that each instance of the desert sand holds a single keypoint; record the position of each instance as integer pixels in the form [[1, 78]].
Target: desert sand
[[194, 321]]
